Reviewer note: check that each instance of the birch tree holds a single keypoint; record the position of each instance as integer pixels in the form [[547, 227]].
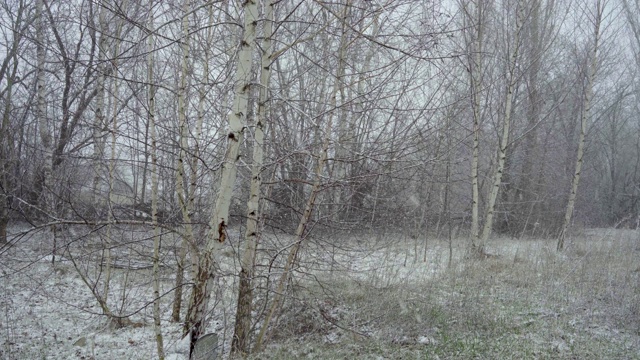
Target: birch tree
[[99, 125], [198, 306], [183, 128], [151, 109], [112, 161], [474, 18], [585, 117], [245, 290], [41, 110], [511, 83]]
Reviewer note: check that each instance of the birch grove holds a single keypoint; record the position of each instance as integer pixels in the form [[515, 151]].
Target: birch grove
[[197, 165]]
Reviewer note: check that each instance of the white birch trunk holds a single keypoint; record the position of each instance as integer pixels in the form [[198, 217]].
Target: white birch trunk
[[99, 123], [585, 116], [476, 70], [41, 105], [180, 172], [199, 303], [151, 102], [512, 80], [47, 199], [112, 161], [247, 262]]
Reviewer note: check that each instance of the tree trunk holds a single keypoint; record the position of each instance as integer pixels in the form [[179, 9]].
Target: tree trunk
[[99, 125], [112, 160], [339, 162], [181, 190], [43, 126], [585, 116], [46, 182], [512, 80], [199, 302], [151, 102], [476, 70], [240, 343], [524, 191]]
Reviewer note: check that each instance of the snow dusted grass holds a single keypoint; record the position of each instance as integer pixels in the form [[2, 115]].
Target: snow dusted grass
[[357, 297], [526, 302], [48, 312]]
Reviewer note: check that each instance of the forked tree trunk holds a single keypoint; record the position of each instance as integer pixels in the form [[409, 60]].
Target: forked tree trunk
[[240, 342], [585, 116], [199, 302]]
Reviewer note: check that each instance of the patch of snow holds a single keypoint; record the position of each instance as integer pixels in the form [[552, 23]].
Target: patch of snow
[[426, 340], [175, 356], [332, 338]]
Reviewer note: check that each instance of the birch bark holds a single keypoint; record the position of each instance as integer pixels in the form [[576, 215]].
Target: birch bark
[[183, 127], [240, 343], [218, 225], [151, 102]]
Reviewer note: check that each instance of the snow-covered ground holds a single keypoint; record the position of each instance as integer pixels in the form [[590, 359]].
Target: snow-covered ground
[[47, 311]]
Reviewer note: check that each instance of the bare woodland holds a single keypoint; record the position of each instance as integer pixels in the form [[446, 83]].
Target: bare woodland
[[253, 168]]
